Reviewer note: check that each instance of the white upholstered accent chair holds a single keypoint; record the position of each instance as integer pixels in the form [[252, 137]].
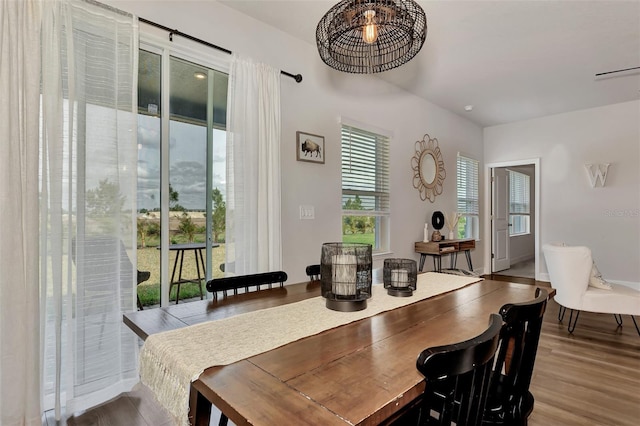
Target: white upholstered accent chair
[[570, 271]]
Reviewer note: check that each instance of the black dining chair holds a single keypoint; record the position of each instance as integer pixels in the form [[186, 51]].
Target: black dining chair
[[142, 277], [510, 401], [456, 380], [245, 282], [313, 272]]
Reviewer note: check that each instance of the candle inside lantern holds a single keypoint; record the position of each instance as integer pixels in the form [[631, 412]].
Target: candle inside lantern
[[344, 274], [399, 278]]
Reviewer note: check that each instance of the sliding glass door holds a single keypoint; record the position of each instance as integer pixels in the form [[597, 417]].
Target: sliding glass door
[[181, 175]]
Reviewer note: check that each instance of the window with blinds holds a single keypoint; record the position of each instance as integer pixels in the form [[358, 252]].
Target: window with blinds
[[519, 203], [365, 188], [468, 205]]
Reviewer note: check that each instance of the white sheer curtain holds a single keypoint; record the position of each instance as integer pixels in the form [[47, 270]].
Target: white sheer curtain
[[253, 233], [87, 202], [19, 317]]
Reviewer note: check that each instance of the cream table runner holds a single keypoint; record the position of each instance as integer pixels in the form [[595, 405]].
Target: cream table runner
[[171, 360]]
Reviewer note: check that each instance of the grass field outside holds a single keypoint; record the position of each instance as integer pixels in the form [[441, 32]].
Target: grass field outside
[[368, 238]]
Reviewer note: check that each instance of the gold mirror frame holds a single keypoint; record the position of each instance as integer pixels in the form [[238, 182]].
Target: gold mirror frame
[[428, 157]]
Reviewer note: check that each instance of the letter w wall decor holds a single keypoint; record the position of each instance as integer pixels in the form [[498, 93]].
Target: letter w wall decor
[[597, 172]]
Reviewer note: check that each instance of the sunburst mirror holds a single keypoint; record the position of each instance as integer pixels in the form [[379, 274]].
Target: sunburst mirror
[[428, 168]]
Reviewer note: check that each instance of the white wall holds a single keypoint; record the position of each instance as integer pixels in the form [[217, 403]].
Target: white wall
[[606, 219], [315, 106]]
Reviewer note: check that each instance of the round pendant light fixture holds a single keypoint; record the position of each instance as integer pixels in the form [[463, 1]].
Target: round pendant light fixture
[[371, 36]]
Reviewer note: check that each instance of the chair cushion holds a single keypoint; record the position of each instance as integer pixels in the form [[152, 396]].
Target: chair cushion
[[619, 299]]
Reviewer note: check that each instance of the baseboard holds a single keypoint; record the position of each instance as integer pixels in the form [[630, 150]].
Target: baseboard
[[635, 286]]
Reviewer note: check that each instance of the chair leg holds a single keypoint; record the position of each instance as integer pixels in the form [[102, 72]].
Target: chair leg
[[561, 312], [177, 293], [636, 324], [618, 318], [572, 326]]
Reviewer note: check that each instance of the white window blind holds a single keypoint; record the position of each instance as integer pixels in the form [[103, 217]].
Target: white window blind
[[518, 193], [467, 189], [467, 182], [519, 203], [365, 170], [365, 184]]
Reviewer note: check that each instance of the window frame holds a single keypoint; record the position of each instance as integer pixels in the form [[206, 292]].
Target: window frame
[[183, 50], [352, 187], [525, 205]]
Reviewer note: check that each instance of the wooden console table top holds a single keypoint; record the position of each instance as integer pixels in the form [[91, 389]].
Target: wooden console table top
[[445, 246]]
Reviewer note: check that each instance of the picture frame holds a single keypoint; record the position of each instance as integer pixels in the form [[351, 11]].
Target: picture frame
[[310, 147]]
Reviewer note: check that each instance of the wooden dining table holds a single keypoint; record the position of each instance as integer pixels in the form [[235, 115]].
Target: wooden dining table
[[362, 373]]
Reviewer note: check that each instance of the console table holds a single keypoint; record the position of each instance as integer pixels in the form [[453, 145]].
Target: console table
[[437, 249]]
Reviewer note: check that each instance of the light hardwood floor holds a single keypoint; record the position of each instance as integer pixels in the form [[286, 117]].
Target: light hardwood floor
[[589, 378], [521, 269]]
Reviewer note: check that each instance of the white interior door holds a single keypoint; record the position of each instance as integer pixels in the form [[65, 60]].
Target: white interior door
[[500, 220]]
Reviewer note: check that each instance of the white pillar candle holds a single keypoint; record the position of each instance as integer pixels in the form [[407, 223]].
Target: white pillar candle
[[344, 274], [399, 278]]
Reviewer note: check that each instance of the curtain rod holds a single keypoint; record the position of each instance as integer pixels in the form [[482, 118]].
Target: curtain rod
[[296, 77], [616, 71]]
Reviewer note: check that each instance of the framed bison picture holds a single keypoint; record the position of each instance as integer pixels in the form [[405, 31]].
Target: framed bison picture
[[309, 147]]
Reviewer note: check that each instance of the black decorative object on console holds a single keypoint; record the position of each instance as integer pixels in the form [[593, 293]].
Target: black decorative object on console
[[437, 220]]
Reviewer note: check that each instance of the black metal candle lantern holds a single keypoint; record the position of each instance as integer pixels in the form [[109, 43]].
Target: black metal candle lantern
[[345, 275], [400, 276]]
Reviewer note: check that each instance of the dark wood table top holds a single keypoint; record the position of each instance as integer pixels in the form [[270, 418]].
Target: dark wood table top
[[151, 321], [361, 373]]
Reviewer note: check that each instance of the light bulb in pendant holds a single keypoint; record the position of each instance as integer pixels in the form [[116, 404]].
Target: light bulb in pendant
[[370, 30]]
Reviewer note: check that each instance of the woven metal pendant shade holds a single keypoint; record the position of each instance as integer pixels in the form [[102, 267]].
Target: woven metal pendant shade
[[401, 30]]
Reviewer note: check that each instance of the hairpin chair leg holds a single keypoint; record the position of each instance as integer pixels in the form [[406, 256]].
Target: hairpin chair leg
[[636, 324], [618, 318], [572, 326], [561, 312]]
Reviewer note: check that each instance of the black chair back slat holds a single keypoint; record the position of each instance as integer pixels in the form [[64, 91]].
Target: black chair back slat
[[246, 282], [313, 271]]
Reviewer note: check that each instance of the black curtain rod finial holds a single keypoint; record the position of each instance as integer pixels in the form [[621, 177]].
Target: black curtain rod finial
[[296, 77]]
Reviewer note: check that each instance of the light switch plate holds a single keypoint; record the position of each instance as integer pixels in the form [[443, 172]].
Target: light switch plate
[[307, 212]]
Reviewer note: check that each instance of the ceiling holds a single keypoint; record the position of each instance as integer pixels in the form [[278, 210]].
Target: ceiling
[[511, 60]]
